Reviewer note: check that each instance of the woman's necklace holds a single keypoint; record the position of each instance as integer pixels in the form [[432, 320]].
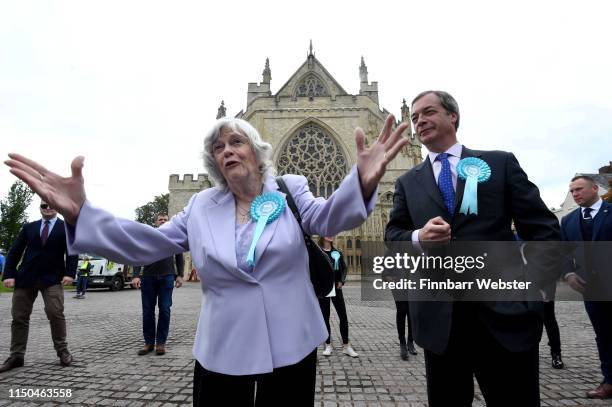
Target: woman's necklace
[[244, 215]]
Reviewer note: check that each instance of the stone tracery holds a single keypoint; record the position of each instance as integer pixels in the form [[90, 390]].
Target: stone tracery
[[311, 86], [314, 154]]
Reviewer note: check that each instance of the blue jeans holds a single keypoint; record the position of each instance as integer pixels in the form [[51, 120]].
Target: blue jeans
[[156, 290], [82, 284]]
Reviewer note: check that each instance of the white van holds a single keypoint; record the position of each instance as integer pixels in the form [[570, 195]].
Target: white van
[[106, 273]]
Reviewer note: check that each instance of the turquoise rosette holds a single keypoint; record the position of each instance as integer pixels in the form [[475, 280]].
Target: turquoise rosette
[[474, 171], [265, 209], [336, 256]]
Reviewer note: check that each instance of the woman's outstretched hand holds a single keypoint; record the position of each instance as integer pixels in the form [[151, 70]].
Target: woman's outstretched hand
[[372, 162], [64, 194]]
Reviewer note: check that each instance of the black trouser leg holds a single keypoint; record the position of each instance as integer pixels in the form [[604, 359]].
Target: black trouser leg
[[552, 328], [324, 303], [401, 313], [340, 307], [410, 338]]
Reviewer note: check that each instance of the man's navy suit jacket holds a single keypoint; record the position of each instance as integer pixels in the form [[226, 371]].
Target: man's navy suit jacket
[[29, 262]]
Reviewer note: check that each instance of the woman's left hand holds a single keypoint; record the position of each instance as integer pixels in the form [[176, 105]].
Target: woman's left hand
[[372, 162]]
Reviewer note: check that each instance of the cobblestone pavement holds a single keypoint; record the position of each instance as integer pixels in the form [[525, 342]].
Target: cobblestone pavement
[[104, 333]]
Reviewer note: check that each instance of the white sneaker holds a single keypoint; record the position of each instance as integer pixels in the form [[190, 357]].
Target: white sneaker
[[328, 350], [348, 350]]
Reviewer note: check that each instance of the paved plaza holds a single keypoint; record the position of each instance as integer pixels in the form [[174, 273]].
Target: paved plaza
[[104, 334]]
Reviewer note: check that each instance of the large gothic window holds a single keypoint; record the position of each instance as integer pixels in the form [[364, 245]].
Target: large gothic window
[[311, 86], [312, 153]]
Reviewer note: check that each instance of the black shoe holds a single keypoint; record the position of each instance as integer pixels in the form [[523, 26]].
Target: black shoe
[[557, 362], [403, 352], [11, 363], [66, 359], [411, 348]]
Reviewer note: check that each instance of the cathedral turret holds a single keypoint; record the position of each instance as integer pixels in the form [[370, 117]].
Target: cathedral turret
[[406, 117], [405, 112], [221, 110], [263, 89], [363, 72], [267, 74], [310, 57], [370, 90]]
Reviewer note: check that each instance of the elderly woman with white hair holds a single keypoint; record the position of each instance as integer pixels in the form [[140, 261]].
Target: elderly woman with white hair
[[260, 322]]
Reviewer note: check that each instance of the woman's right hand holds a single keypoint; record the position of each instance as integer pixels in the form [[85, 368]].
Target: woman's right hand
[[64, 194]]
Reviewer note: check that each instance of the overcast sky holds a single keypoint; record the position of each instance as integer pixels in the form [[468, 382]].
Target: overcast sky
[[133, 86]]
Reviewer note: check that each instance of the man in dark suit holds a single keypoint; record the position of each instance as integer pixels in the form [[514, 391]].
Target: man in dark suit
[[45, 267], [495, 341], [592, 221]]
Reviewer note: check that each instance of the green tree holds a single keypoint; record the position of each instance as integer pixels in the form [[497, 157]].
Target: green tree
[[146, 213], [13, 212]]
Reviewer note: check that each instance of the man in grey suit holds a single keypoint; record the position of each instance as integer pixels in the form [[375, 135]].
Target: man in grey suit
[[495, 341]]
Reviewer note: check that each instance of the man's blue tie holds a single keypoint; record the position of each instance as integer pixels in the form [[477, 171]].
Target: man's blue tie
[[445, 183]]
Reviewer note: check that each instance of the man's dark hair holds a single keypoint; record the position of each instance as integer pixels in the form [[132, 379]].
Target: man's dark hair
[[446, 100], [584, 177], [161, 214]]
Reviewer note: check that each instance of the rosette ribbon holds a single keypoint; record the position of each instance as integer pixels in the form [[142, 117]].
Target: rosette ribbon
[[336, 256], [265, 209], [474, 171]]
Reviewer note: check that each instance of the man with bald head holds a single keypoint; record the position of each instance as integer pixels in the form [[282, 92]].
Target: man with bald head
[[592, 221]]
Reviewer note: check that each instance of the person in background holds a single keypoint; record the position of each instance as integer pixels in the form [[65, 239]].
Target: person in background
[[83, 278], [337, 298], [550, 319], [552, 327], [38, 261], [592, 221], [2, 260], [157, 283], [402, 314]]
